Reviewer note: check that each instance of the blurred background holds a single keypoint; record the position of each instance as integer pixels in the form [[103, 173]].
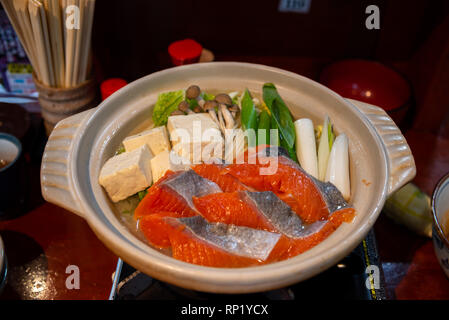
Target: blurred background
[[131, 41]]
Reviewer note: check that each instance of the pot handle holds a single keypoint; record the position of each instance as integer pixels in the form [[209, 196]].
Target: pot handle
[[56, 170], [402, 164]]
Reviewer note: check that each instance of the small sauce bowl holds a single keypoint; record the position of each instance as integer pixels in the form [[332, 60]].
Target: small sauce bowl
[[440, 210]]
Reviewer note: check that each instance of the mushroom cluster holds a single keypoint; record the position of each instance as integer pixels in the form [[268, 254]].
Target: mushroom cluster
[[221, 109]]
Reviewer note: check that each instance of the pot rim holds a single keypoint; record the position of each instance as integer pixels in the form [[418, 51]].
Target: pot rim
[[438, 228], [251, 276]]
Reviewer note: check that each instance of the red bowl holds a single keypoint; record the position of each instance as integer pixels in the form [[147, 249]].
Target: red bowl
[[370, 82]]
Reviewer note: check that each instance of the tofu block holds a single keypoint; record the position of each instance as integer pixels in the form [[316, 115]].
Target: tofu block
[[195, 137], [167, 160], [127, 173], [155, 138]]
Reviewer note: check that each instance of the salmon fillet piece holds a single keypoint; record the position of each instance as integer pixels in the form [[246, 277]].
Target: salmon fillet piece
[[290, 184], [187, 248], [155, 228], [264, 210], [197, 241], [214, 172], [289, 247], [174, 192], [230, 208]]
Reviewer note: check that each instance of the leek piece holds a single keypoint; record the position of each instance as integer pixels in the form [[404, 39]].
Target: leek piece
[[306, 146], [324, 148], [338, 167]]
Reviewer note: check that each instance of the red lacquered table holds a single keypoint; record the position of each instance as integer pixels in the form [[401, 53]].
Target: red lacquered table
[[409, 262]]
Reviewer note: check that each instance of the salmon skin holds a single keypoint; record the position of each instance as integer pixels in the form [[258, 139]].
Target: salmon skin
[[310, 198], [174, 194], [229, 241], [189, 184], [333, 197], [259, 210], [280, 215]]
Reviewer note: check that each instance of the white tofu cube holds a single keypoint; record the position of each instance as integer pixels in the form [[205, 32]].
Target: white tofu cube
[[127, 173], [167, 160], [155, 138], [195, 137]]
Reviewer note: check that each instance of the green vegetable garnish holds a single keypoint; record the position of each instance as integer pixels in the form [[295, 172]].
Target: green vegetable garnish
[[121, 150], [330, 135], [274, 138], [192, 103], [280, 141], [280, 113], [249, 115], [207, 96], [126, 212], [142, 194], [291, 151], [236, 99], [264, 125], [325, 146], [167, 102]]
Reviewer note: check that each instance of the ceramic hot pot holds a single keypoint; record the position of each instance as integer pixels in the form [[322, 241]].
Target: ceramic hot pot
[[380, 163]]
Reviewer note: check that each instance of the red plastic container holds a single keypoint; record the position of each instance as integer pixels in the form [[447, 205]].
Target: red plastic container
[[110, 86], [185, 52]]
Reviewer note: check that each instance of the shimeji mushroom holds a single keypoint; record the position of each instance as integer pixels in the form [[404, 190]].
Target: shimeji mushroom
[[223, 98], [185, 107], [209, 106], [193, 92], [227, 116]]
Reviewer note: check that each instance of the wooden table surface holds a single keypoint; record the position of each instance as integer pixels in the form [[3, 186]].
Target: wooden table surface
[[42, 243]]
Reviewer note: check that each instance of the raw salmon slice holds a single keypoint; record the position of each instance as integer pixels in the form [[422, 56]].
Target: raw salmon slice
[[156, 229], [174, 194], [230, 208], [290, 247], [299, 246], [311, 199], [194, 240], [259, 210], [214, 172], [278, 214]]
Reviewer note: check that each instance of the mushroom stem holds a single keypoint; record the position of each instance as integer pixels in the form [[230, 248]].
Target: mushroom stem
[[228, 118], [221, 121], [213, 115]]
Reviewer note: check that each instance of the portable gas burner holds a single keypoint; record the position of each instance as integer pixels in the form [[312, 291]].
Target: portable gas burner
[[357, 276]]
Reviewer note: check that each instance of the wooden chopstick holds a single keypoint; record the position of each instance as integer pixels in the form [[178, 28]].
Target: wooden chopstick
[[86, 56], [60, 57], [47, 46], [39, 40], [69, 48], [23, 18], [13, 17], [54, 22], [78, 43]]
